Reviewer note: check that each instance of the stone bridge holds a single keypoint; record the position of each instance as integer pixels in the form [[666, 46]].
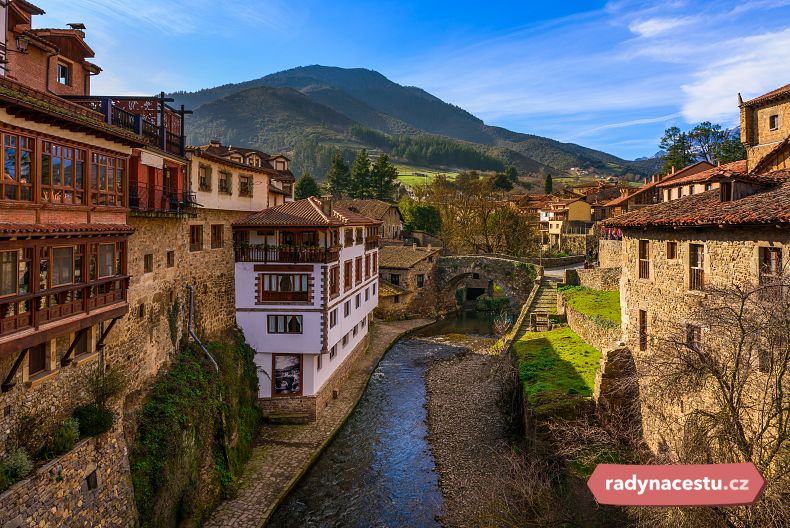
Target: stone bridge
[[515, 276]]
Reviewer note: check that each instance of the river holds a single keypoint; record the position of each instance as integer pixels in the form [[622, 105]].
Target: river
[[379, 471]]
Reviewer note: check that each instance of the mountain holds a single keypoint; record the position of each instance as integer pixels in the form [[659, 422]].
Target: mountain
[[278, 111]]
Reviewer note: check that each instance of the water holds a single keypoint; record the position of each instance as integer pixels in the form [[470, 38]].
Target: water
[[379, 471]]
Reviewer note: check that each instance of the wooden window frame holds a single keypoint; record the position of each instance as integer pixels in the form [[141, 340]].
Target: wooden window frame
[[16, 261], [644, 259], [59, 192], [696, 267], [227, 187], [171, 258], [205, 174], [148, 263], [105, 168], [269, 287], [358, 270], [672, 250], [420, 279], [334, 281], [245, 189], [67, 67], [196, 237], [770, 264], [348, 275], [773, 122], [286, 318], [217, 242], [24, 156]]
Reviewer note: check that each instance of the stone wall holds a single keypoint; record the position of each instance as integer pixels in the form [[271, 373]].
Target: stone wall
[[557, 262], [602, 279], [310, 406], [419, 302], [596, 333], [610, 253], [575, 244]]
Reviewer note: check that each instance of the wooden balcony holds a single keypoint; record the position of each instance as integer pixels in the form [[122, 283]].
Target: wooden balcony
[[277, 296], [696, 279], [287, 254], [371, 244]]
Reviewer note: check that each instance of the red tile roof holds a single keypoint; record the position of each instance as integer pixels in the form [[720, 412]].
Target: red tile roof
[[671, 177], [773, 94], [11, 228], [736, 168], [304, 213], [377, 209], [770, 206]]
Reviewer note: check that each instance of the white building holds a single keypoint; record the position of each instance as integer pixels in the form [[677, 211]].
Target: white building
[[306, 284]]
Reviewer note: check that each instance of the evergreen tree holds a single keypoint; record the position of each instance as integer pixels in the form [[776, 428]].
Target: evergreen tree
[[338, 179], [548, 185], [678, 150], [306, 186], [420, 216], [731, 149], [502, 183], [360, 176], [511, 174], [383, 179]]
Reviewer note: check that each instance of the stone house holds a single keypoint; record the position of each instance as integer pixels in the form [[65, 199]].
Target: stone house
[[408, 281], [388, 214], [700, 182], [306, 283], [676, 253], [765, 130], [563, 216]]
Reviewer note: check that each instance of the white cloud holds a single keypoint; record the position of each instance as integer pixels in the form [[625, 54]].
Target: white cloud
[[653, 27]]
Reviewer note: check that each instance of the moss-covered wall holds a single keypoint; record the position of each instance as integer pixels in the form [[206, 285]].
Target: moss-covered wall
[[193, 433]]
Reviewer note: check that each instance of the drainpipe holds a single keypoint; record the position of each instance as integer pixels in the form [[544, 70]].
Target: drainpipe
[[191, 292]]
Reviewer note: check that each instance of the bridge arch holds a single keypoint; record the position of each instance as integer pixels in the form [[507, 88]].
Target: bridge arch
[[514, 276]]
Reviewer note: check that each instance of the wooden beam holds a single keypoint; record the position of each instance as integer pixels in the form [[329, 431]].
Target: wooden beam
[[66, 359], [100, 342], [8, 383]]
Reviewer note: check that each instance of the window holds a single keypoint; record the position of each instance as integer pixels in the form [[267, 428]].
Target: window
[[642, 330], [284, 287], [672, 250], [287, 379], [644, 259], [773, 122], [345, 340], [430, 258], [333, 318], [420, 280], [696, 264], [62, 266], [171, 259], [224, 183], [334, 281], [357, 301], [332, 352], [17, 169], [106, 260], [770, 264], [91, 481], [364, 322], [359, 235], [81, 347], [395, 279], [64, 74], [107, 180], [355, 331], [396, 299], [358, 270], [367, 294], [9, 273], [374, 288], [217, 236], [708, 186], [375, 262], [37, 360], [62, 174], [367, 266], [285, 324], [349, 236], [245, 185], [318, 362], [725, 190], [693, 337], [346, 308], [204, 178], [148, 263], [195, 238], [347, 275]]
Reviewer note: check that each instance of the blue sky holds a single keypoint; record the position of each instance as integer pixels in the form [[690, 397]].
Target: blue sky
[[608, 75]]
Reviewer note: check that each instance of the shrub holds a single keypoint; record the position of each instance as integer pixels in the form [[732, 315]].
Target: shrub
[[104, 385], [93, 419], [14, 467], [64, 439]]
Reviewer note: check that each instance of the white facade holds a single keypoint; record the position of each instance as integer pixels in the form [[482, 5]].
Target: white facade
[[321, 334]]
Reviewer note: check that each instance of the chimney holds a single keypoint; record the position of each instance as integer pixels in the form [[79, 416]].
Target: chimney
[[326, 205], [673, 169], [215, 143]]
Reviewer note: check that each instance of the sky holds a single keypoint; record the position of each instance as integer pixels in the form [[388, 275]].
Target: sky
[[607, 75]]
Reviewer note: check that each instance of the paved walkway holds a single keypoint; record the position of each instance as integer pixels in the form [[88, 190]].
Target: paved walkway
[[285, 452]]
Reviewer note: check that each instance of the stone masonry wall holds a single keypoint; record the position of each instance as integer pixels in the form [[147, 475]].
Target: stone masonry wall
[[595, 333], [421, 301], [610, 253], [140, 344], [602, 279], [731, 257]]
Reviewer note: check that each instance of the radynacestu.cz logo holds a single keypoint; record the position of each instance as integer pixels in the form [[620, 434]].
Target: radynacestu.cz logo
[[676, 485]]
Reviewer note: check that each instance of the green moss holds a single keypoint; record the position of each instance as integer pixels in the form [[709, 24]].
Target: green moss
[[555, 367], [194, 420], [597, 304]]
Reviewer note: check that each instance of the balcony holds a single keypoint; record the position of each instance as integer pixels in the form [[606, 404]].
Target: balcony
[[371, 243], [155, 198], [287, 254], [149, 117], [279, 296], [34, 310]]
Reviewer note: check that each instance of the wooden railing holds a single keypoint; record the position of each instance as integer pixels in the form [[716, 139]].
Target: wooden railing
[[277, 296], [371, 243], [32, 310], [293, 255], [696, 279], [644, 269]]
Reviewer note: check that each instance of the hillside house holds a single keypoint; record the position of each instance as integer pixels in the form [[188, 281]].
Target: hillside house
[[408, 281], [388, 214], [700, 182], [562, 216], [306, 284]]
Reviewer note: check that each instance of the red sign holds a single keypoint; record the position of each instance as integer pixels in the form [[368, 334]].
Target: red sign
[[676, 485]]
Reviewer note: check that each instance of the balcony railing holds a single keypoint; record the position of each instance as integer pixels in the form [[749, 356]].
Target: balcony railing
[[144, 197], [644, 269], [371, 243], [286, 254], [32, 310], [696, 279], [277, 296]]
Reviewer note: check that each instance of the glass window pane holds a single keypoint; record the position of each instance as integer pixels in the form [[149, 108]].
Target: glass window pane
[[8, 272]]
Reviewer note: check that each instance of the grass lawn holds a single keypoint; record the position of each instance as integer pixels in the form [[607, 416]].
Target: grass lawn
[[411, 175], [603, 304], [555, 365]]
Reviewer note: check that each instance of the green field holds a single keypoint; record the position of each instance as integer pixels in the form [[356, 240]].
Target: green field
[[595, 303], [411, 175]]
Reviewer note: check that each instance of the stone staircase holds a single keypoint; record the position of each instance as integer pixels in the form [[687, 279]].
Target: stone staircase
[[545, 301]]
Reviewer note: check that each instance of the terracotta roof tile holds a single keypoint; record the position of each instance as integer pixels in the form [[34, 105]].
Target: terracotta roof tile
[[305, 213], [770, 206], [779, 92], [377, 209], [387, 289], [14, 228], [403, 257], [736, 168], [670, 178]]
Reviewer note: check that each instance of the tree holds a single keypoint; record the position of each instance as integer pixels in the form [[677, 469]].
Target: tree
[[420, 216], [678, 150], [306, 186], [338, 179], [706, 139], [501, 182], [511, 174], [383, 179], [548, 184], [360, 176], [731, 149]]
